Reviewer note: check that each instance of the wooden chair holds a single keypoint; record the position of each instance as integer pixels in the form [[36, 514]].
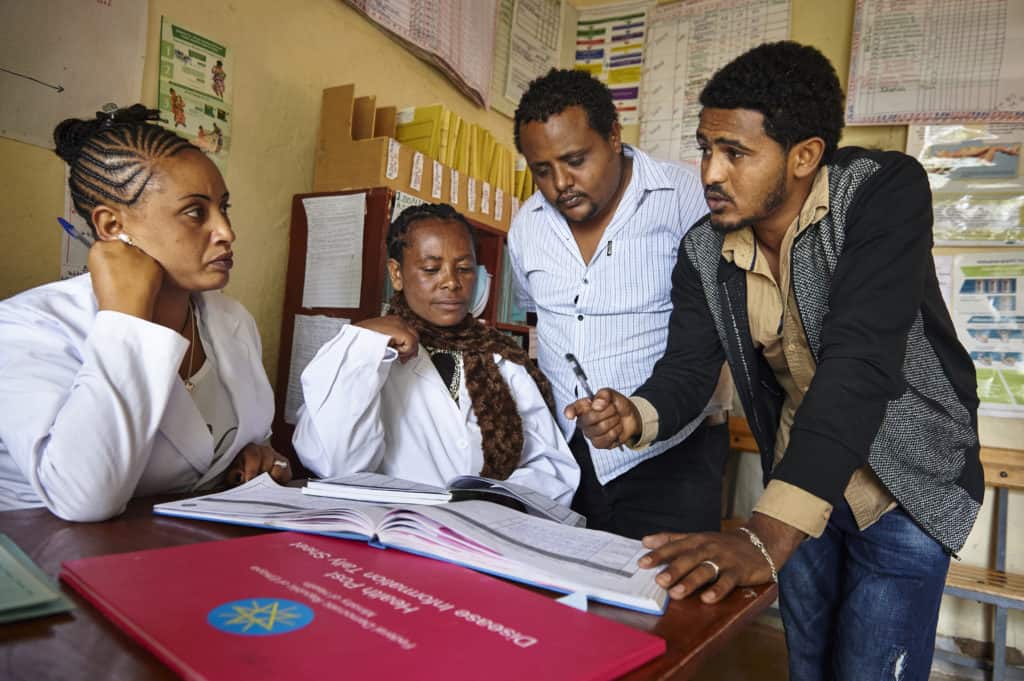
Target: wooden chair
[[1004, 470]]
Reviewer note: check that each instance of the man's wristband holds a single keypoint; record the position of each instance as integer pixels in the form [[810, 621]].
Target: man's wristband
[[759, 545]]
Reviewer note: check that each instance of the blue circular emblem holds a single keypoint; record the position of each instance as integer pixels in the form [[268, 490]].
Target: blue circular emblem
[[260, 617]]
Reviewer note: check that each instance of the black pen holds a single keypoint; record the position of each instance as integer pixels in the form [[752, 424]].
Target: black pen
[[581, 377]]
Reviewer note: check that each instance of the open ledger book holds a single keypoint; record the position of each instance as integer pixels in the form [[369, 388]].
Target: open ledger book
[[384, 489], [476, 534]]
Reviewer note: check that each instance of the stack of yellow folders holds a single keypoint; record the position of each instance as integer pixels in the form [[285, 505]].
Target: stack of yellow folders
[[467, 147]]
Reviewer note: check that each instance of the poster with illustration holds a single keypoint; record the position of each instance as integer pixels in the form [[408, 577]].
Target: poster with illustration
[[196, 78], [988, 311], [977, 187]]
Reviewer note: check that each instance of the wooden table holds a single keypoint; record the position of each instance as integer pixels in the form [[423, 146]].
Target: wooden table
[[83, 644]]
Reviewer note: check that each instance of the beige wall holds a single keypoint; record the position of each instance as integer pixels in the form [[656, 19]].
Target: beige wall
[[285, 54]]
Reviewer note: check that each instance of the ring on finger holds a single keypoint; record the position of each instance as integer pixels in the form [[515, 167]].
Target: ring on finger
[[280, 463], [714, 566]]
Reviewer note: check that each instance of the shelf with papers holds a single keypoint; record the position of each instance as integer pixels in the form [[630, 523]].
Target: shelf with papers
[[296, 349], [358, 148]]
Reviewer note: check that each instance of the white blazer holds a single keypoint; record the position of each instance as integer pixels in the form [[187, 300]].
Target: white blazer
[[92, 411], [364, 411]]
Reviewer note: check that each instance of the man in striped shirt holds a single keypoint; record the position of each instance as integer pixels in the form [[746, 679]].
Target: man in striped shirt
[[592, 253]]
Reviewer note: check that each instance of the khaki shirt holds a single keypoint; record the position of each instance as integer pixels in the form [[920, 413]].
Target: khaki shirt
[[776, 331]]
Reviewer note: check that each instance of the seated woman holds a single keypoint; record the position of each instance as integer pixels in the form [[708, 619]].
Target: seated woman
[[138, 378], [462, 398]]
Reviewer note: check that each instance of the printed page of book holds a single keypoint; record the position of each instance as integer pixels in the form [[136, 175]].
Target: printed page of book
[[377, 487], [334, 250], [264, 503], [540, 504], [456, 36], [610, 46], [934, 61], [686, 43], [495, 539]]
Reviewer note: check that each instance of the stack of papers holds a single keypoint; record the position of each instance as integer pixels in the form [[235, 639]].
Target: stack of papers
[[25, 591]]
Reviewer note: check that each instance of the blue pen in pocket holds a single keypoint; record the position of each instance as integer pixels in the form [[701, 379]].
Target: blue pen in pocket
[[83, 239]]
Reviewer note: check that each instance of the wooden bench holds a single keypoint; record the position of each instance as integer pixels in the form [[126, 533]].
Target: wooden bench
[[1004, 471]]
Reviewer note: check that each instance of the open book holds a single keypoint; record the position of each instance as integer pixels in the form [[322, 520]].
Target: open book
[[384, 489], [476, 534]]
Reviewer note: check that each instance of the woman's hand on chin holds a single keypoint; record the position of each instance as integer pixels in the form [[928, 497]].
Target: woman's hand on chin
[[404, 338]]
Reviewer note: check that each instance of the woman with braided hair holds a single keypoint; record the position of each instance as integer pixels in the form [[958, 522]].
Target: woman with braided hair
[[140, 377], [426, 392]]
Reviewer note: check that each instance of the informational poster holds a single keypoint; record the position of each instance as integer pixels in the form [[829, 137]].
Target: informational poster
[[934, 61], [975, 175], [66, 59], [610, 45], [686, 43], [196, 82], [533, 43], [988, 311], [455, 36]]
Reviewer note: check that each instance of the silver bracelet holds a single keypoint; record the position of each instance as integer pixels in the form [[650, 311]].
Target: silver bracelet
[[759, 545]]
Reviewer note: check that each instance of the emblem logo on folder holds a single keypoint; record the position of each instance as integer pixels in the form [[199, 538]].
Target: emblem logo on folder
[[260, 617]]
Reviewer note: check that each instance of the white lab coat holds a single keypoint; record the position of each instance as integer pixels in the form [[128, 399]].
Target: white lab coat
[[92, 411], [365, 411]]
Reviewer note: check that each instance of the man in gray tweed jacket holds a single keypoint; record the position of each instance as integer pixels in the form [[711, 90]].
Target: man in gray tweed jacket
[[812, 275]]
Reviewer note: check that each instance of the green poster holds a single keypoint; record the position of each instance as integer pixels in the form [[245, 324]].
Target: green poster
[[196, 78]]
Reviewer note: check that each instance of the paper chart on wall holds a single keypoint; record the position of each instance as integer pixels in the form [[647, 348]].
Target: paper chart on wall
[[686, 43], [311, 332], [988, 311], [334, 250], [974, 170], [533, 43], [933, 61], [66, 59], [499, 69], [196, 84], [610, 45], [455, 36]]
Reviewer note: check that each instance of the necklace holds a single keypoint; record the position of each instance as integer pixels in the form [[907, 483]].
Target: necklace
[[190, 315], [445, 359]]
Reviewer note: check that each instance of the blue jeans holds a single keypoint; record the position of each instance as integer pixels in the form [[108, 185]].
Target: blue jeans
[[863, 606]]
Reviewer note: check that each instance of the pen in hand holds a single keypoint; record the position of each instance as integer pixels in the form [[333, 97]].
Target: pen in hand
[[581, 378], [84, 239]]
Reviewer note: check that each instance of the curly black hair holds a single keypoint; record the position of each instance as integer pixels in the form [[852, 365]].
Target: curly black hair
[[398, 229], [555, 92], [111, 158], [794, 87]]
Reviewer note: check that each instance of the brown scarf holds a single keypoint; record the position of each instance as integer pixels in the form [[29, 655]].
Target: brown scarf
[[501, 426]]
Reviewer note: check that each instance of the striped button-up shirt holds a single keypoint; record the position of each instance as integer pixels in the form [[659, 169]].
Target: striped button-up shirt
[[611, 312]]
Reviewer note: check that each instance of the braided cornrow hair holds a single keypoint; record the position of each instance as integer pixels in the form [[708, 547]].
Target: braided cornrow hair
[[111, 157], [501, 427]]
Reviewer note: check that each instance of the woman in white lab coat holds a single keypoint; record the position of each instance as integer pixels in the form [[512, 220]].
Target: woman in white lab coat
[[139, 378], [427, 393]]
